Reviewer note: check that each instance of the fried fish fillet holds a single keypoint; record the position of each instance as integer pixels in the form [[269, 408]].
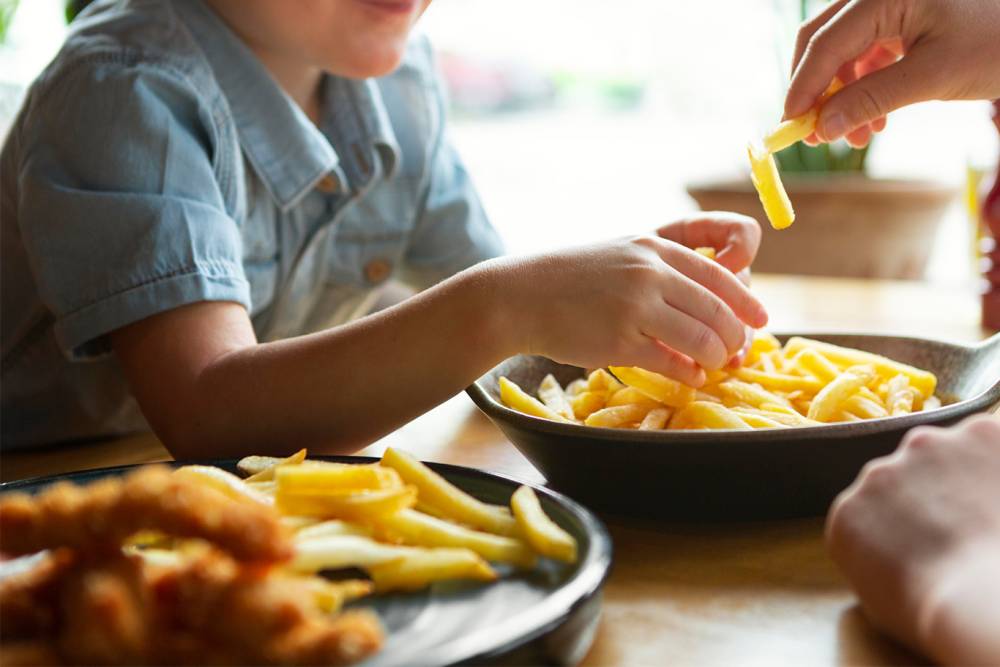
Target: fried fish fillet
[[100, 516]]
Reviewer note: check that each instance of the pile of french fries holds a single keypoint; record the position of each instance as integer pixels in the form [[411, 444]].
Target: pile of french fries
[[803, 383], [399, 521]]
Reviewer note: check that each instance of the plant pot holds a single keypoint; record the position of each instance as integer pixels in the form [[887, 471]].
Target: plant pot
[[845, 224]]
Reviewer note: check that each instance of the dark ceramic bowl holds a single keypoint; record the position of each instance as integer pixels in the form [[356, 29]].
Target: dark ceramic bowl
[[729, 474]]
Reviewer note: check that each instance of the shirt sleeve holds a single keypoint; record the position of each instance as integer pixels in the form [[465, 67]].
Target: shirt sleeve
[[119, 202], [452, 231]]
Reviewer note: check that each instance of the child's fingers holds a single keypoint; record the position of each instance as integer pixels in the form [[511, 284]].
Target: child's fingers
[[653, 355], [687, 335], [735, 236], [691, 298], [717, 280]]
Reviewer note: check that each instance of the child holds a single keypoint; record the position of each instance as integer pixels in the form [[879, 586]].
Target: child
[[201, 198]]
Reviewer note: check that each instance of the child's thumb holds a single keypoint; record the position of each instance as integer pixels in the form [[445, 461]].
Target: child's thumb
[[871, 97]]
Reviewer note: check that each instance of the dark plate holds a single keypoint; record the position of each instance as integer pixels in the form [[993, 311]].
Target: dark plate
[[547, 616], [727, 474]]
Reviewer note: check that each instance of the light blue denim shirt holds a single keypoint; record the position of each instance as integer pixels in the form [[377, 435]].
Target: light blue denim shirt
[[155, 163]]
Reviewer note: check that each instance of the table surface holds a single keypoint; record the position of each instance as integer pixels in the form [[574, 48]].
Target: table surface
[[682, 594]]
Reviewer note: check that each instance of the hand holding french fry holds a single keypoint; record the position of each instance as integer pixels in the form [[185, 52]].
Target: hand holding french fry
[[663, 306]]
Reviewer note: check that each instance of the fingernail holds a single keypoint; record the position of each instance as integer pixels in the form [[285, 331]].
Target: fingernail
[[835, 126]]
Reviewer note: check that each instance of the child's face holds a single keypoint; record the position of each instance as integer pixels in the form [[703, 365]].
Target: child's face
[[352, 38]]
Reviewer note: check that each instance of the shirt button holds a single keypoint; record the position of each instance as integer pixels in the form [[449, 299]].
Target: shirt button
[[377, 270], [328, 184]]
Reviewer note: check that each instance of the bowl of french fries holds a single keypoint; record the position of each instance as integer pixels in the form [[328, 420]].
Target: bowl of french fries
[[778, 436], [388, 561]]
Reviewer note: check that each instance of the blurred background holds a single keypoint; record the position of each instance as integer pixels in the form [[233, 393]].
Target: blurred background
[[584, 119]]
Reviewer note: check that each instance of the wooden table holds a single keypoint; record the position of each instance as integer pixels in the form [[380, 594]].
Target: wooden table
[[759, 593]]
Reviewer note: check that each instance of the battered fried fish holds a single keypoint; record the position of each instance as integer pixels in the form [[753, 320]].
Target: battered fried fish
[[86, 601], [100, 516]]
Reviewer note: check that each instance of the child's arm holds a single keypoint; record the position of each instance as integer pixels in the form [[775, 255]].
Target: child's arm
[[209, 389]]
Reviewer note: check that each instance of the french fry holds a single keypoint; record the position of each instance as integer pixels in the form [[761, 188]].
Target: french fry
[[600, 380], [618, 415], [542, 533], [899, 396], [354, 506], [924, 381], [751, 394], [575, 387], [771, 191], [515, 397], [817, 364], [655, 419], [223, 481], [796, 129], [588, 402], [446, 498], [706, 251], [331, 527], [702, 414], [779, 381], [757, 420], [828, 401], [331, 596], [554, 398], [631, 396], [266, 465], [659, 388], [337, 477], [417, 529], [423, 568], [864, 407]]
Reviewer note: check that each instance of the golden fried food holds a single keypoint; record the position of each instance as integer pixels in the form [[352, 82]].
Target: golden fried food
[[89, 601], [102, 515], [801, 383]]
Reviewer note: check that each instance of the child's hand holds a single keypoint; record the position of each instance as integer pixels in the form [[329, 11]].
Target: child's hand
[[918, 536], [644, 301]]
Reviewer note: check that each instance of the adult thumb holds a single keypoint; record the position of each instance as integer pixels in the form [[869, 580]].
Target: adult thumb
[[869, 98]]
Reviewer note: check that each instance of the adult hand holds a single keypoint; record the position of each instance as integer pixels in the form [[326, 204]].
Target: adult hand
[[892, 53], [918, 536]]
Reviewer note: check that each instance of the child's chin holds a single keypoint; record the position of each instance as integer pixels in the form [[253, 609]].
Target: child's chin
[[371, 65]]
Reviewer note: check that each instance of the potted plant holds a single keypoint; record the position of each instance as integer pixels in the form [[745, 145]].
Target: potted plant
[[847, 223]]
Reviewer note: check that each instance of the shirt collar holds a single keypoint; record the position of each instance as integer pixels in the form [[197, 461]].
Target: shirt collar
[[285, 148]]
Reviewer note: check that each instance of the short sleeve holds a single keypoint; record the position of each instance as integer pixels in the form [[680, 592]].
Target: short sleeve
[[452, 231], [119, 202]]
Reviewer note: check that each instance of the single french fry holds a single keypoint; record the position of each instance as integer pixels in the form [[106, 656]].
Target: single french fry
[[618, 416], [659, 388], [702, 414], [899, 396], [337, 478], [924, 381], [655, 420], [335, 552], [331, 527], [587, 402], [796, 129], [828, 401], [542, 533], [771, 191], [751, 394], [601, 380], [425, 567], [446, 498], [223, 481], [756, 420], [631, 396], [577, 386], [417, 529], [789, 418], [266, 466], [779, 381], [554, 398], [864, 407], [365, 505], [515, 397], [815, 363]]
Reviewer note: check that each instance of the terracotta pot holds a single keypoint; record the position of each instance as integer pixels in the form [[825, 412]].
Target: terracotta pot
[[845, 224]]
